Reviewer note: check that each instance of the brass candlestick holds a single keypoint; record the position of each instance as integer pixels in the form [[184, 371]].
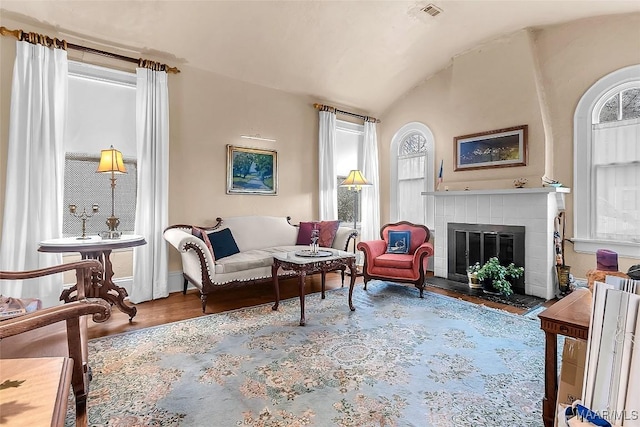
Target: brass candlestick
[[83, 216]]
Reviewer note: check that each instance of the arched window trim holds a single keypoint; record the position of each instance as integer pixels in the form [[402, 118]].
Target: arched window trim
[[592, 101], [398, 138]]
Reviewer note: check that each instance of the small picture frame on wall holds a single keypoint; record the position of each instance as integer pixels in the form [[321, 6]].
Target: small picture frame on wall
[[494, 149], [251, 171]]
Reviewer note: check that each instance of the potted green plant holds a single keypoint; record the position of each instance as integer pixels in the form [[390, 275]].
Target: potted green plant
[[495, 276], [472, 274]]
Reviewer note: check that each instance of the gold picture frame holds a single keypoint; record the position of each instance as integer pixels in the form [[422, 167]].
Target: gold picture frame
[[252, 171]]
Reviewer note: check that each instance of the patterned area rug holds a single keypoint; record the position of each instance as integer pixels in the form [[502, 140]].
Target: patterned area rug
[[397, 360]]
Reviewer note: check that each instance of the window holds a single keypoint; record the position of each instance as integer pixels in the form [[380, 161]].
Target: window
[[412, 174], [101, 113], [607, 159], [349, 139]]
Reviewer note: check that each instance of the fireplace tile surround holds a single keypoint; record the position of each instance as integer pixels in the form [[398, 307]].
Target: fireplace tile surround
[[533, 208]]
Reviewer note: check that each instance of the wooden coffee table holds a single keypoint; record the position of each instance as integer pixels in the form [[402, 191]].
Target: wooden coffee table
[[329, 260]]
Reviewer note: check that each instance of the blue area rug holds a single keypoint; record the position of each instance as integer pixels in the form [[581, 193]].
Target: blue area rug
[[397, 360]]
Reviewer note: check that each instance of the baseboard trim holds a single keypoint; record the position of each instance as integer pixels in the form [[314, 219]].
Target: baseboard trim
[[175, 283]]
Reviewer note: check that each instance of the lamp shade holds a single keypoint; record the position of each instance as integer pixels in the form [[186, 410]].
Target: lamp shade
[[111, 161], [355, 180]]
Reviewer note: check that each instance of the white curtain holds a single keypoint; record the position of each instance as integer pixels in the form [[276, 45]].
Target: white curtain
[[328, 179], [150, 269], [370, 202], [616, 162], [35, 169]]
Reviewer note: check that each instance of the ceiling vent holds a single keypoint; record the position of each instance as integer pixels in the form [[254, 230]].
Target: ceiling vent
[[432, 10]]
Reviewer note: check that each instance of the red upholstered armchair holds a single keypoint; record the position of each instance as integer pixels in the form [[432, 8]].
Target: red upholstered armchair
[[407, 267]]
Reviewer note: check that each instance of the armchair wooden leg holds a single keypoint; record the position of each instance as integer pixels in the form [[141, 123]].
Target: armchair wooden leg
[[184, 290], [81, 411]]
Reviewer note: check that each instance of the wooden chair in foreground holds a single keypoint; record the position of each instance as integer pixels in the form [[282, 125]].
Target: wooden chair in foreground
[[403, 260], [57, 331]]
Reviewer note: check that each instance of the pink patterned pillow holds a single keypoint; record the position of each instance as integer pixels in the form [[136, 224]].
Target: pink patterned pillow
[[199, 232], [328, 231]]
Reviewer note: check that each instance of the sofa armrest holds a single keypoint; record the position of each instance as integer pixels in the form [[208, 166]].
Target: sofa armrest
[[198, 262], [372, 248], [344, 238]]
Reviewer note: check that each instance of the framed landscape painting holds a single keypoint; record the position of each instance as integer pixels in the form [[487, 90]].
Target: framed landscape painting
[[251, 171], [493, 149]]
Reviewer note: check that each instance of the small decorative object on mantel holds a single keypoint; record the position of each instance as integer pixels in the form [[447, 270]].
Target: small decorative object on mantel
[[520, 182], [548, 182]]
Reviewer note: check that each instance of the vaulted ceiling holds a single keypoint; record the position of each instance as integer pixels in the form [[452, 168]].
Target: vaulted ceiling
[[360, 54]]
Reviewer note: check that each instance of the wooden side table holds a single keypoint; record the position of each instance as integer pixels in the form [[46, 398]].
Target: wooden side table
[[569, 317], [34, 391], [98, 248]]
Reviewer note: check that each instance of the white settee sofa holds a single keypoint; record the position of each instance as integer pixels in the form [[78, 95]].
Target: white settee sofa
[[257, 238]]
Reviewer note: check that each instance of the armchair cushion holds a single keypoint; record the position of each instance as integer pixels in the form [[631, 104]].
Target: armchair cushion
[[394, 261], [12, 307], [399, 242]]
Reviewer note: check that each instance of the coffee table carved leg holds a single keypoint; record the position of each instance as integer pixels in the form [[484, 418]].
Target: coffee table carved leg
[[276, 286], [301, 276], [323, 274]]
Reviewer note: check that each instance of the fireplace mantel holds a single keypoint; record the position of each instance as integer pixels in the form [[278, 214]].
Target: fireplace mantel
[[497, 192]]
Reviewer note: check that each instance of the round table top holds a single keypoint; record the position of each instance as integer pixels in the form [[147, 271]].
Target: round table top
[[90, 244]]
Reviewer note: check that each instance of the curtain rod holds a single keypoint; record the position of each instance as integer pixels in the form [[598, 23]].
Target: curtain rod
[[36, 38], [335, 110]]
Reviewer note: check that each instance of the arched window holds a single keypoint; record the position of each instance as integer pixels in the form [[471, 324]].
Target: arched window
[[412, 174], [607, 165]]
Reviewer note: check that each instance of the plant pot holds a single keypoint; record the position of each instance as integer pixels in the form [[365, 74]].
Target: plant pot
[[487, 287], [474, 282]]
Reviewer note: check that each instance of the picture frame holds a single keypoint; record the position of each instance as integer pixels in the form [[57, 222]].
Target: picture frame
[[493, 149], [252, 171]]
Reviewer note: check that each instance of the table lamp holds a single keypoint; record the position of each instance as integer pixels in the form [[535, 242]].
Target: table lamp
[[111, 162]]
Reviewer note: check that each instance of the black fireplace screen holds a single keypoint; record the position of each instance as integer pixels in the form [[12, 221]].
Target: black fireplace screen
[[471, 243]]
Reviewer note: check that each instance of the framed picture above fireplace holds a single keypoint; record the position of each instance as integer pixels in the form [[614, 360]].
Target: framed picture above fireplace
[[493, 149]]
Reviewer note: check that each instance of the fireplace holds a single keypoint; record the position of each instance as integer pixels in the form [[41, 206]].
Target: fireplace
[[533, 209], [471, 243]]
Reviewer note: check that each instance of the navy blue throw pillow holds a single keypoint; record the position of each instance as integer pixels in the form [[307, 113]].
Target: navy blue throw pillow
[[399, 242], [223, 243]]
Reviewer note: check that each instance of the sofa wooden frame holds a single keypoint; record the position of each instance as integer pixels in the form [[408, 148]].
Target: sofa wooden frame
[[208, 286]]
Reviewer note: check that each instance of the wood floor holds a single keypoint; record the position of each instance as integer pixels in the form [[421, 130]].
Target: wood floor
[[179, 307]]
